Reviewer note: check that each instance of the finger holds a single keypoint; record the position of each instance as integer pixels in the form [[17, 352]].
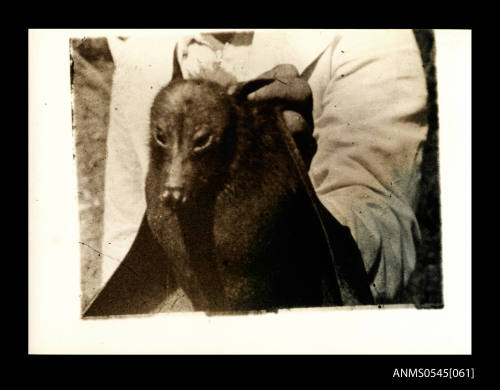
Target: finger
[[290, 89], [296, 123], [281, 70], [247, 87], [302, 134]]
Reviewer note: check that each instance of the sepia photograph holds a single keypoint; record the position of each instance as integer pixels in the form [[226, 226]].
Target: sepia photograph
[[322, 190], [237, 174]]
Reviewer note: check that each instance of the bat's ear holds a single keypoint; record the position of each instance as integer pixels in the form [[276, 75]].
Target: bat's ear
[[241, 90], [177, 72]]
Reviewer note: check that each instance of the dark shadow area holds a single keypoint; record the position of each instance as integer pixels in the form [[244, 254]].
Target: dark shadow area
[[425, 287]]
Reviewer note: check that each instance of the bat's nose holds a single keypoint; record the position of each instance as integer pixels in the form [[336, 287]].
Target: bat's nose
[[173, 196]]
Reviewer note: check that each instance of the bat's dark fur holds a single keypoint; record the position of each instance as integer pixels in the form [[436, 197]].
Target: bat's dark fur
[[232, 244], [235, 227]]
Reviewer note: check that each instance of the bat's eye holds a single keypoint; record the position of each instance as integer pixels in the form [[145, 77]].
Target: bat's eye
[[202, 142], [160, 137]]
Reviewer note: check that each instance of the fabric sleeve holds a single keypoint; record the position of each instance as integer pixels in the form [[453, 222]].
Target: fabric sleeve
[[370, 128]]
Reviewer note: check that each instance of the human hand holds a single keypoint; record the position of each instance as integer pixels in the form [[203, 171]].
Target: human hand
[[295, 96]]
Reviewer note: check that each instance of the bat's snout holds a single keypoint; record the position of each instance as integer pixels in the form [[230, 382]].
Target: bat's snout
[[173, 197]]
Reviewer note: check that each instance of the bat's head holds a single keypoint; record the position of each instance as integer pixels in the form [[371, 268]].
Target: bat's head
[[191, 127]]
